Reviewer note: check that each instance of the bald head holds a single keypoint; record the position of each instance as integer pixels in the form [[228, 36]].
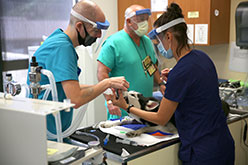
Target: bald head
[[88, 9], [131, 9], [136, 7]]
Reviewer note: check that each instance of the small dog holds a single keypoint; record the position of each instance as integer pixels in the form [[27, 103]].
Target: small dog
[[146, 104]]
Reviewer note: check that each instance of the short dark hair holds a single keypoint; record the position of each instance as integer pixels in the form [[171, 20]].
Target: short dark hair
[[180, 30]]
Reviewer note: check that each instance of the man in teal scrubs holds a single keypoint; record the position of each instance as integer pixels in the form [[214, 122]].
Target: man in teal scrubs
[[57, 54], [130, 53]]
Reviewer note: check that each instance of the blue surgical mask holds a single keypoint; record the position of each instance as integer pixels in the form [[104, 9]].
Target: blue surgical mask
[[167, 54]]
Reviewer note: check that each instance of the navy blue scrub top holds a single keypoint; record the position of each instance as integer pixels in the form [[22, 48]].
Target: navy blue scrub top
[[200, 120]]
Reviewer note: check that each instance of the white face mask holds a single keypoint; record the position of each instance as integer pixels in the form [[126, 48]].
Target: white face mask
[[142, 28]]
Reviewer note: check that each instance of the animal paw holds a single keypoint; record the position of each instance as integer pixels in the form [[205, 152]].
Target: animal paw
[[106, 125], [133, 134]]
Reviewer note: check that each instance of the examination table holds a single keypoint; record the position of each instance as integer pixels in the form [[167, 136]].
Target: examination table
[[165, 152]]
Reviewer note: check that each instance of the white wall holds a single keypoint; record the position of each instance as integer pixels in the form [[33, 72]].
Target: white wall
[[96, 111]]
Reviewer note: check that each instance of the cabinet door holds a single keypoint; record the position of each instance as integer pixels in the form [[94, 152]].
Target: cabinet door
[[220, 21], [241, 150], [212, 13]]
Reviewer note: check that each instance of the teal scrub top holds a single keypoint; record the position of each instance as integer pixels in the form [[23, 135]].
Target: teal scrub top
[[58, 55], [124, 57]]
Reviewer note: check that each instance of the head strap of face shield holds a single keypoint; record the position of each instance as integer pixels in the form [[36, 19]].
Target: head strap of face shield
[[98, 25], [152, 34], [138, 12]]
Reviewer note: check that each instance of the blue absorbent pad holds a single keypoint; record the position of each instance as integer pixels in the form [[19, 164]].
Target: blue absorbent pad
[[134, 126], [138, 126]]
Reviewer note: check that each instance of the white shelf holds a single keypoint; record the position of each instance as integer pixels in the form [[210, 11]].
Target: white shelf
[[35, 106]]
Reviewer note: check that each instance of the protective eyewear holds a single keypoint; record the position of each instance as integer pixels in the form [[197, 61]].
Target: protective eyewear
[[98, 25], [138, 12], [153, 33]]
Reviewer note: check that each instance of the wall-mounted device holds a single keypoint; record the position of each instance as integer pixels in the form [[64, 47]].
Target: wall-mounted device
[[241, 21]]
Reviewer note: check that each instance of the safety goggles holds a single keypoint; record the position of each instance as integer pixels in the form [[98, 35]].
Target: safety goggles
[[155, 32], [98, 25], [138, 12]]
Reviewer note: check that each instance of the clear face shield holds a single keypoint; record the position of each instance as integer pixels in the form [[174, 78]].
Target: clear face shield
[[97, 27], [141, 19], [154, 35]]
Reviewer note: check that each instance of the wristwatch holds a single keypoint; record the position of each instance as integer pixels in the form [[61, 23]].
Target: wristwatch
[[128, 108]]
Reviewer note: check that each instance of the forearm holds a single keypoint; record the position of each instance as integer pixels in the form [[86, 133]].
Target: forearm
[[84, 86], [90, 92], [157, 77], [102, 77], [162, 116], [81, 94], [153, 117], [103, 73]]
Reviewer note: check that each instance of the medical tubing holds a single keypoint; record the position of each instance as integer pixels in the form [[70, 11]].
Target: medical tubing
[[47, 89], [87, 134], [76, 121], [58, 127], [55, 98], [52, 83], [45, 96], [27, 89], [73, 126]]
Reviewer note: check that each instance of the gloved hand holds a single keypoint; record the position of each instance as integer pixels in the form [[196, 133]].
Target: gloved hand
[[164, 74]]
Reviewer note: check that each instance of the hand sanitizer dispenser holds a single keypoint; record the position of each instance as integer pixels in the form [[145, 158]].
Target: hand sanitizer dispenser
[[241, 21]]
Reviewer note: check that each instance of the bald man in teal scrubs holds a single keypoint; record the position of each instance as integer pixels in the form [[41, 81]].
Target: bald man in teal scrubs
[[57, 54], [130, 53]]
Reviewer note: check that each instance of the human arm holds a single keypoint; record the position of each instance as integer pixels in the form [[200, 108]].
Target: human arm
[[81, 94], [161, 117], [103, 73], [158, 81]]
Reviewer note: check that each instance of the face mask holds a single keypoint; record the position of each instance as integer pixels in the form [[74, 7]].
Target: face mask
[[88, 40], [142, 28], [167, 54]]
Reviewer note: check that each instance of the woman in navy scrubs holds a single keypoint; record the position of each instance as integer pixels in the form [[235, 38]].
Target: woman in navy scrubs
[[191, 93]]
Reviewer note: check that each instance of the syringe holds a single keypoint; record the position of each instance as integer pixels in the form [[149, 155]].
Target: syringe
[[126, 141]]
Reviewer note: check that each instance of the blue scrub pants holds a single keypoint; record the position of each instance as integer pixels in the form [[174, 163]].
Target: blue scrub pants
[[227, 159]]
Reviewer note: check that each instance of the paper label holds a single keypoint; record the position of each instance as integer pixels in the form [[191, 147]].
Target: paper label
[[238, 59], [190, 33], [193, 14], [51, 151], [201, 33]]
